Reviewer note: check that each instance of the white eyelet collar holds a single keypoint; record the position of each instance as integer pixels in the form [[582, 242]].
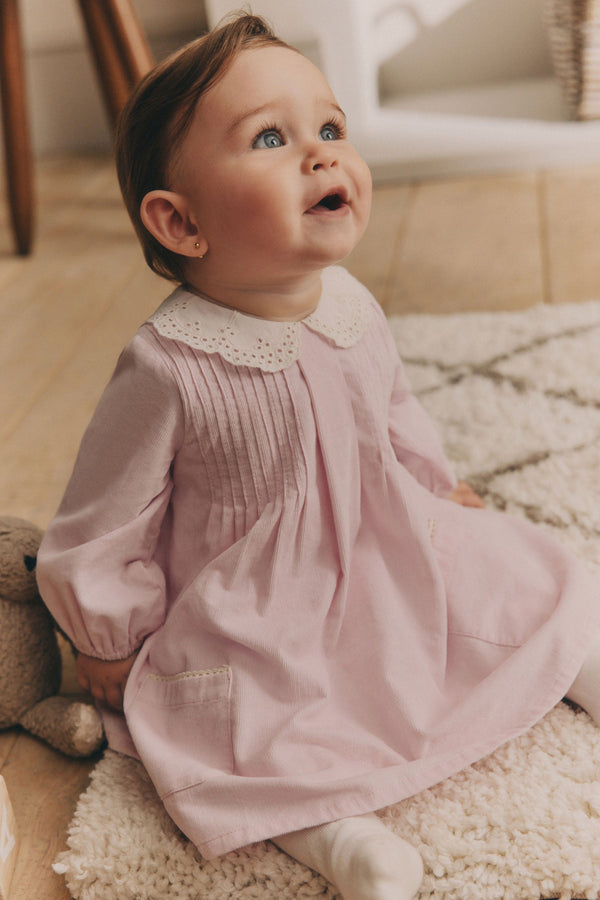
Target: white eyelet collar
[[341, 316]]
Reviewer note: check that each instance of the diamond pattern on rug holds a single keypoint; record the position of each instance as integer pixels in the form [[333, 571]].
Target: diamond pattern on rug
[[517, 399]]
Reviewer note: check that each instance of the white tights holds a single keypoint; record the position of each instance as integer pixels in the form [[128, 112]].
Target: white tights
[[364, 860], [585, 690]]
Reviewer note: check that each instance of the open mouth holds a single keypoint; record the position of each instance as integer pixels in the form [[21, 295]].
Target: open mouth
[[330, 201], [335, 201]]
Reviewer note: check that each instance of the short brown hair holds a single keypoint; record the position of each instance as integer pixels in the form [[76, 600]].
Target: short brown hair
[[158, 114]]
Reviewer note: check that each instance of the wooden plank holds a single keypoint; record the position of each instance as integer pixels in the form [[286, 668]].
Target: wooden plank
[[7, 740], [470, 243], [43, 786], [68, 286], [38, 453], [571, 205], [65, 188]]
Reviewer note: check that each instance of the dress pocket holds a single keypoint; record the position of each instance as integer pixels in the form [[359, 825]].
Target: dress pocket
[[181, 725]]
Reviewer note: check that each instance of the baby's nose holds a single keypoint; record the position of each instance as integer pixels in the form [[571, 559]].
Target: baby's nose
[[321, 155]]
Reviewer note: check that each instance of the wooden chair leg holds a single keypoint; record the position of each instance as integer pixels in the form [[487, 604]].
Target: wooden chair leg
[[129, 35], [119, 47], [122, 57], [17, 143]]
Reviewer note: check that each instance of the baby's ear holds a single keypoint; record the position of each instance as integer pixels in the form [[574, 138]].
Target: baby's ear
[[166, 216]]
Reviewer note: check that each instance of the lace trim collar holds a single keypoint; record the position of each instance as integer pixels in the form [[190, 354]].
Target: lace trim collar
[[342, 317]]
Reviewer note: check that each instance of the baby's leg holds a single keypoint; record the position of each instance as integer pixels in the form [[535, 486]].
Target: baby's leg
[[362, 858], [585, 690]]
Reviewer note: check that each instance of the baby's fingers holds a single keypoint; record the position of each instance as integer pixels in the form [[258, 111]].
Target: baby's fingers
[[83, 682], [113, 697], [464, 495], [106, 694]]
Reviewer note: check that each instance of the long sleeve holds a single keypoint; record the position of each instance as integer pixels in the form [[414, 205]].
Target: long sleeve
[[416, 441], [97, 567], [413, 434]]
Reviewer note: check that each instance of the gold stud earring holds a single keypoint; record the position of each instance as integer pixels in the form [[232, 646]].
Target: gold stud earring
[[196, 247]]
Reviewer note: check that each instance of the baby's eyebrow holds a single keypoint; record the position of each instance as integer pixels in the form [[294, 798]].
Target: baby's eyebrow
[[272, 105], [258, 110], [338, 109]]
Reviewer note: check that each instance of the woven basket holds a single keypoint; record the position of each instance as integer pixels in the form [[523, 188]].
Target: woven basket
[[574, 32]]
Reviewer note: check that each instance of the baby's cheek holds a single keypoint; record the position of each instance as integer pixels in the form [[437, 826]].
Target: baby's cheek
[[363, 184], [257, 210]]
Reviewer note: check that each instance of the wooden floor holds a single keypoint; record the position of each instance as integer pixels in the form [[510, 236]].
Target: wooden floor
[[493, 242]]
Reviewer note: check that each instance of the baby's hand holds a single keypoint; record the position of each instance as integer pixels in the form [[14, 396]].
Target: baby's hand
[[464, 494], [105, 679]]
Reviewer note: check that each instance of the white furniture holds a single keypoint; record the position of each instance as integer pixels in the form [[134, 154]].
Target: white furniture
[[497, 127]]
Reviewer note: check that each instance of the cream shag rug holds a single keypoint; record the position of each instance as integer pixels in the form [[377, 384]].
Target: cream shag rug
[[517, 400]]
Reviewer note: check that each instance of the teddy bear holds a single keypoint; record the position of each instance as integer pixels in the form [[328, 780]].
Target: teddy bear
[[30, 658]]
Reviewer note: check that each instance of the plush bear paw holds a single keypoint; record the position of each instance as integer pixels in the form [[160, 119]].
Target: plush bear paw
[[71, 726]]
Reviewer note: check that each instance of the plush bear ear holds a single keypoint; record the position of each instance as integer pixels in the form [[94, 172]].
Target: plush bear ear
[[19, 544], [168, 218]]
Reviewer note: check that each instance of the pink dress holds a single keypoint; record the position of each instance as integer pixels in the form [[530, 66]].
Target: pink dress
[[260, 507]]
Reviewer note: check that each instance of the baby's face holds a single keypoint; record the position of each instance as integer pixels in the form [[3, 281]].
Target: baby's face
[[276, 188]]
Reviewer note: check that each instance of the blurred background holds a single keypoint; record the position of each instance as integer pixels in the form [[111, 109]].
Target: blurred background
[[66, 110], [459, 85]]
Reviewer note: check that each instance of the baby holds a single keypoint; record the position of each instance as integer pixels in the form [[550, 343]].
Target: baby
[[256, 555]]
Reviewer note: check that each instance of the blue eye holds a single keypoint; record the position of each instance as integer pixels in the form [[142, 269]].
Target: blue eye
[[329, 133], [268, 140]]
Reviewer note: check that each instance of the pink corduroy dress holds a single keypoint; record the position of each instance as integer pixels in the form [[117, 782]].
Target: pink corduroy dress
[[259, 507]]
